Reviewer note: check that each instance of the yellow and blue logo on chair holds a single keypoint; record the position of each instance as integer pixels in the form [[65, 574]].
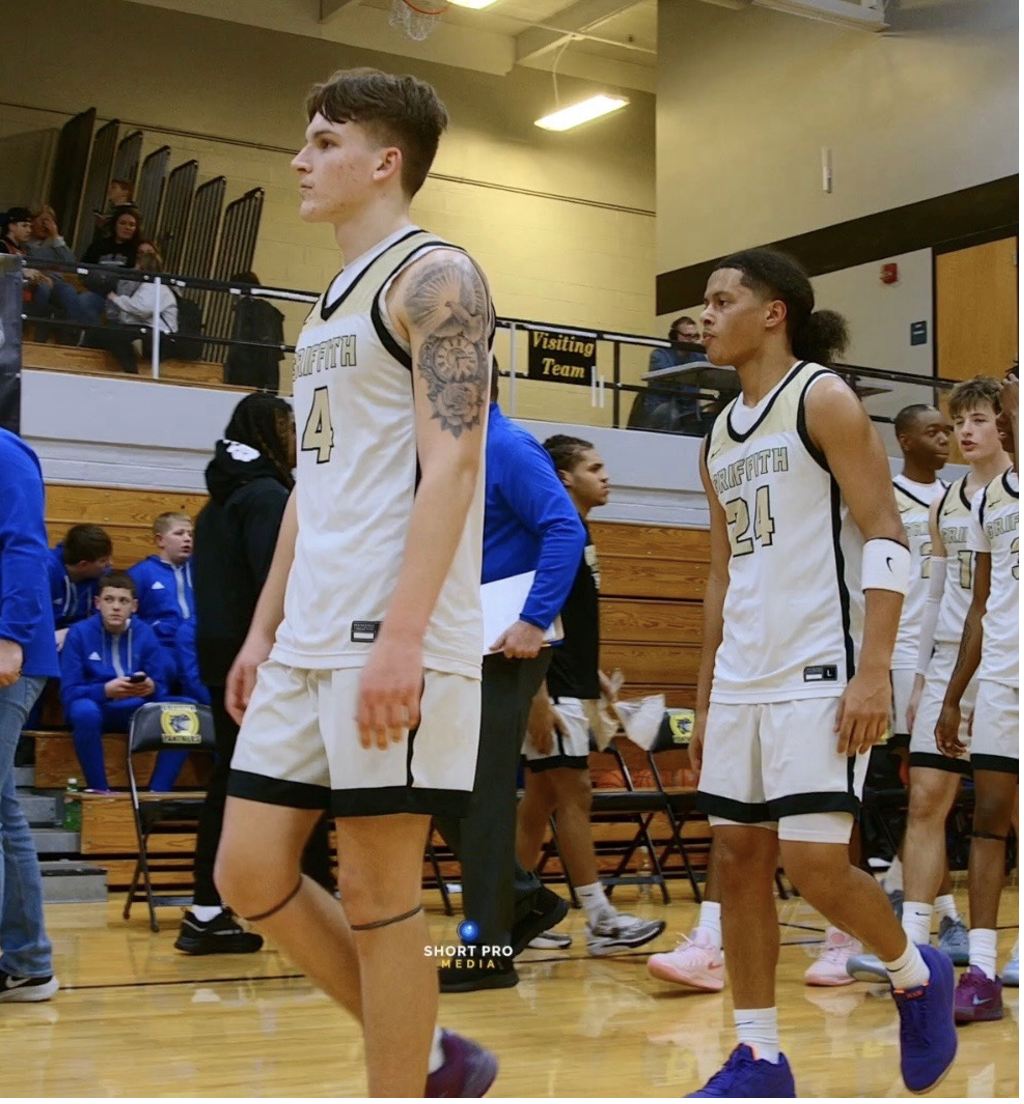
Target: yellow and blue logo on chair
[[179, 723], [680, 723]]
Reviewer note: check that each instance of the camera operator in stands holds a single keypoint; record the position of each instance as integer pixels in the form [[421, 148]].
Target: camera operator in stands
[[134, 304]]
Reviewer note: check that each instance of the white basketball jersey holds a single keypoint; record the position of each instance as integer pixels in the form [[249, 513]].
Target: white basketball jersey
[[954, 521], [793, 608], [914, 500], [356, 480], [995, 524]]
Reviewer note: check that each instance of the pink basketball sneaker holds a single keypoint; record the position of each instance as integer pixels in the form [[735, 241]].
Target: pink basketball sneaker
[[696, 962], [830, 966]]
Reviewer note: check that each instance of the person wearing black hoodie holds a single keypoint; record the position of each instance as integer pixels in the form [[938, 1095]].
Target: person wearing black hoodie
[[249, 480]]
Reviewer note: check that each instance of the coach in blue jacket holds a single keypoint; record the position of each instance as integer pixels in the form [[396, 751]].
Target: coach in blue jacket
[[530, 524], [28, 656]]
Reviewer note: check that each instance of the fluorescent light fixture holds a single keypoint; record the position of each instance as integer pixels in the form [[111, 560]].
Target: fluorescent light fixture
[[476, 5], [568, 117]]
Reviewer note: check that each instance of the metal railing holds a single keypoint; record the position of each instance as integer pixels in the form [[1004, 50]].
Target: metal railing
[[617, 374]]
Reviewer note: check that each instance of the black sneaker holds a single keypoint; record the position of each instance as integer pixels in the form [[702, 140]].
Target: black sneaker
[[221, 935], [465, 975], [549, 910], [22, 990]]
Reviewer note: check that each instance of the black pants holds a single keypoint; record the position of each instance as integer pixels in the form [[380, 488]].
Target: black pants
[[496, 891], [316, 862]]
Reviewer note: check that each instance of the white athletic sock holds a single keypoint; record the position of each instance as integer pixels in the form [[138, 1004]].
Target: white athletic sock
[[759, 1029], [710, 921], [436, 1052], [945, 907], [592, 898], [982, 942], [893, 877], [205, 913], [909, 971], [917, 921]]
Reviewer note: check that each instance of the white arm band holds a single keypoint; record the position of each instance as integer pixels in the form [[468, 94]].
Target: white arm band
[[885, 566], [930, 618]]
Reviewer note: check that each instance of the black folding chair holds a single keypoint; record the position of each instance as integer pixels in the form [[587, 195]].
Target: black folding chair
[[630, 805], [164, 726]]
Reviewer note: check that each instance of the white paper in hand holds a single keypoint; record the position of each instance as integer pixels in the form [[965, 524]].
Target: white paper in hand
[[502, 601], [642, 718]]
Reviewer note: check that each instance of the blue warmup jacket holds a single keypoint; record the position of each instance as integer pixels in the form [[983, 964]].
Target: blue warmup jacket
[[25, 615], [165, 596], [71, 601], [187, 663], [530, 523], [91, 657]]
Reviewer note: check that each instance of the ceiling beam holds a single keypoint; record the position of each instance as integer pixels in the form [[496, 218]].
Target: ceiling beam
[[576, 18], [864, 15], [330, 8]]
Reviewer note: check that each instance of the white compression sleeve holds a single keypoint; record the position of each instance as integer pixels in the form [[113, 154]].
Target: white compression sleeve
[[936, 585]]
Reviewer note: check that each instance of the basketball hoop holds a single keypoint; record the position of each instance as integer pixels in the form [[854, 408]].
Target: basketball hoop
[[419, 19]]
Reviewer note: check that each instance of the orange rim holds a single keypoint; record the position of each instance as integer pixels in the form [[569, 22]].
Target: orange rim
[[426, 11]]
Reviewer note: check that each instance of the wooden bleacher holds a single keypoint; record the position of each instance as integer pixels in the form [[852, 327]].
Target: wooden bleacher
[[652, 584], [90, 362]]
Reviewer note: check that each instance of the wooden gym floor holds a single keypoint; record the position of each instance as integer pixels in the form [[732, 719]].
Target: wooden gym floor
[[138, 1019]]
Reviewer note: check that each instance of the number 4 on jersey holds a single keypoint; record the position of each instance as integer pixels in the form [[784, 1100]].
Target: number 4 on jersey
[[318, 436]]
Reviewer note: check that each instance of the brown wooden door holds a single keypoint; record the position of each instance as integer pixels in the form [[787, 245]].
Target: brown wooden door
[[976, 310]]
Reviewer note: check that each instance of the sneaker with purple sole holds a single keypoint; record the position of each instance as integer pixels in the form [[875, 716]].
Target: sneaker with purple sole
[[747, 1077], [469, 1069], [927, 1031], [978, 998]]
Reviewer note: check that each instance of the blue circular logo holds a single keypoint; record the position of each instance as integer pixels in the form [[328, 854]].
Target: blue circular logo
[[469, 931]]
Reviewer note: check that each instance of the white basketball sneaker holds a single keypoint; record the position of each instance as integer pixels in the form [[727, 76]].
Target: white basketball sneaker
[[830, 966]]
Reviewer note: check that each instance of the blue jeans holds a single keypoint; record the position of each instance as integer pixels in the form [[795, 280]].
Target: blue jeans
[[26, 952], [89, 720]]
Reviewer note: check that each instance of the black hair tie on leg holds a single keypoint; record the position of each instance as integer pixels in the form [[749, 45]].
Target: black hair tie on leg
[[276, 908], [386, 923]]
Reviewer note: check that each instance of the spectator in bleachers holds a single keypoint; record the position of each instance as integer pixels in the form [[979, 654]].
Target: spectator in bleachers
[[188, 662], [669, 401], [17, 233], [46, 244], [114, 250], [120, 193], [684, 331], [134, 303], [74, 568], [27, 658], [110, 665], [163, 582], [255, 320]]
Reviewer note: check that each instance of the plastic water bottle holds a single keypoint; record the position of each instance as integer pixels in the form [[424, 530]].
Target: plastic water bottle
[[72, 821]]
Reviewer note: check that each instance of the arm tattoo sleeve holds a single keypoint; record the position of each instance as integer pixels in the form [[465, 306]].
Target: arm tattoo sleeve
[[449, 306]]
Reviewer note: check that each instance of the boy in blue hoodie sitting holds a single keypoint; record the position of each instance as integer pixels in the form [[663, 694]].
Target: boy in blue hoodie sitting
[[110, 665], [74, 567], [163, 583]]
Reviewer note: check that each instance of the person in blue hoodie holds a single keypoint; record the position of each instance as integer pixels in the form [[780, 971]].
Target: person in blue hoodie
[[163, 583], [110, 665], [74, 568], [28, 656]]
